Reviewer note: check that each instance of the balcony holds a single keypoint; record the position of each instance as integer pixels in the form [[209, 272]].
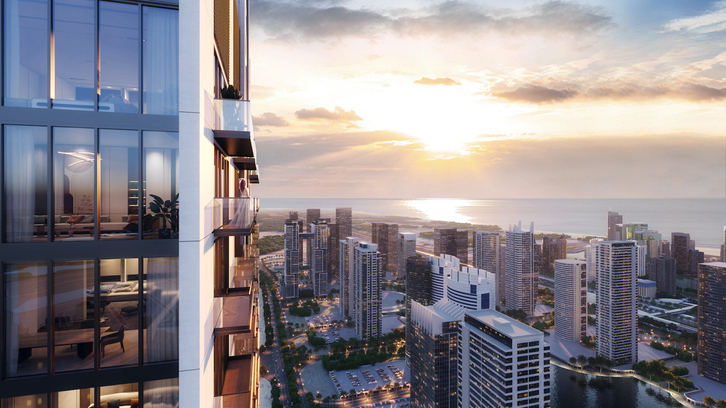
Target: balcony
[[233, 128], [234, 216], [254, 177], [237, 388], [234, 315]]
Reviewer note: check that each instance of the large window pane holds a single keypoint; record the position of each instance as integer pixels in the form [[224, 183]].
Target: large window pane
[[161, 300], [74, 163], [26, 401], [73, 315], [121, 395], [161, 179], [26, 53], [119, 306], [26, 183], [119, 42], [72, 399], [119, 206], [75, 58], [161, 61], [161, 393], [26, 317]]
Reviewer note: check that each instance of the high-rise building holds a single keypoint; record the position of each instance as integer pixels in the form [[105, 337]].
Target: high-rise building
[[665, 247], [641, 260], [613, 219], [434, 354], [312, 214], [487, 251], [663, 271], [367, 285], [386, 237], [346, 248], [616, 306], [333, 261], [552, 250], [651, 240], [472, 288], [320, 258], [294, 215], [570, 299], [128, 237], [291, 251], [502, 292], [520, 277], [418, 289], [344, 219], [406, 249], [712, 321], [723, 246], [591, 258], [680, 243], [695, 257], [502, 362], [441, 269], [449, 241]]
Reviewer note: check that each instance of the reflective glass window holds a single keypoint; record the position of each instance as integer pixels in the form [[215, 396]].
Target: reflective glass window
[[26, 401], [119, 311], [120, 395], [75, 59], [119, 57], [82, 398], [26, 53], [161, 303], [26, 183], [74, 165], [161, 61], [73, 320], [26, 319], [161, 179], [161, 393], [119, 205]]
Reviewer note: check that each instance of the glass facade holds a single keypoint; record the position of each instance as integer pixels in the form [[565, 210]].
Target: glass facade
[[74, 169], [119, 57]]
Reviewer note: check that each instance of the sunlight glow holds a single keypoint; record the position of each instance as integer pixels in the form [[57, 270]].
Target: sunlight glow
[[441, 209]]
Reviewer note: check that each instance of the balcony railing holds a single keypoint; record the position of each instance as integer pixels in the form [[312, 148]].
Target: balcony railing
[[233, 127], [235, 315], [234, 216]]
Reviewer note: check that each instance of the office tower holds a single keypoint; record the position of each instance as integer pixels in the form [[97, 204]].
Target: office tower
[[333, 261], [406, 249], [386, 237], [502, 292], [462, 246], [418, 289], [552, 250], [449, 241], [663, 271], [613, 219], [570, 299], [292, 259], [489, 379], [110, 294], [651, 240], [712, 321], [695, 257], [367, 277], [347, 263], [616, 307], [441, 268], [520, 277], [591, 258], [434, 354], [487, 253], [665, 247], [641, 260], [621, 232], [320, 258], [472, 288], [294, 215], [679, 250], [344, 219], [312, 214]]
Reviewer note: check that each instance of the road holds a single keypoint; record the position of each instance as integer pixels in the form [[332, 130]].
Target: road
[[278, 370]]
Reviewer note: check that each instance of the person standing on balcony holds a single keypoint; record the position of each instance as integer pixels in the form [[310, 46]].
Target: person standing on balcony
[[241, 219]]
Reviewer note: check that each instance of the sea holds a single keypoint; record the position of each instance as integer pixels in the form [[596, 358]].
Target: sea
[[704, 219]]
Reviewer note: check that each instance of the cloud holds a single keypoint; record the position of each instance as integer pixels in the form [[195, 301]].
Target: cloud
[[713, 21], [281, 19], [436, 81], [269, 119], [537, 94], [337, 115], [696, 92]]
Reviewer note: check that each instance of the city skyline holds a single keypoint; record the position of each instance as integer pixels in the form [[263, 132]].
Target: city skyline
[[513, 98]]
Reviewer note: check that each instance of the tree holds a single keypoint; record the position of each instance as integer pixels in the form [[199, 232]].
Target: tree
[[573, 360], [720, 403], [709, 402], [263, 370], [669, 377], [581, 359]]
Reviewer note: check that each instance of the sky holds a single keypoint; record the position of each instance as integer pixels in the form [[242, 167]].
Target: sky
[[489, 99]]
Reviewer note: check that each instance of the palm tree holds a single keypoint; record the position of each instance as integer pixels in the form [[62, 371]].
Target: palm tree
[[573, 360], [581, 359], [709, 402]]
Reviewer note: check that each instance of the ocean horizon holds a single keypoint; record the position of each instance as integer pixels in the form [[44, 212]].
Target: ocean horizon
[[703, 218]]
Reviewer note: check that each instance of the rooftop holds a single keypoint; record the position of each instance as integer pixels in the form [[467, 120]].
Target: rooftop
[[503, 323]]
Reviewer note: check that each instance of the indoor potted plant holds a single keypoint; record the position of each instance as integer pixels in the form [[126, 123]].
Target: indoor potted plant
[[167, 211]]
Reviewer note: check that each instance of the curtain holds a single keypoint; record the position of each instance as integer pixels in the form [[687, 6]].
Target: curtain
[[161, 61], [20, 178], [161, 393], [162, 309]]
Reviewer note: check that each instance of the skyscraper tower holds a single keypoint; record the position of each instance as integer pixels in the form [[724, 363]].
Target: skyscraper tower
[[520, 277], [344, 219], [292, 259], [712, 321], [406, 249], [449, 241], [617, 314], [613, 219], [367, 277], [680, 243], [553, 249], [487, 250], [418, 289], [570, 299], [320, 258], [663, 271], [385, 236], [346, 248]]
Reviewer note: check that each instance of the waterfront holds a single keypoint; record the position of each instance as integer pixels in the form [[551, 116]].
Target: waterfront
[[704, 219]]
